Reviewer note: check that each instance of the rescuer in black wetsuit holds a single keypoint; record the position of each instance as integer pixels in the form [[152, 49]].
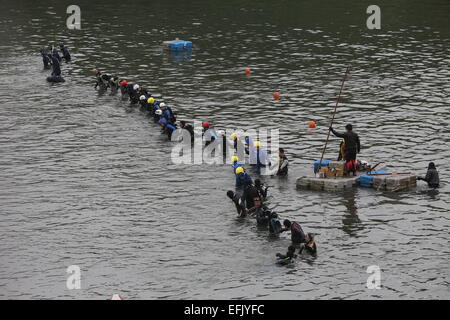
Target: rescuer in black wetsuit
[[288, 257], [432, 176], [283, 163], [297, 234], [251, 197], [65, 52], [56, 71], [189, 128], [46, 59], [352, 147], [261, 188], [237, 200]]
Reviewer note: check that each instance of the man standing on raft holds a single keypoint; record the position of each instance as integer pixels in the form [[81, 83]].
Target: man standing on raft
[[351, 147]]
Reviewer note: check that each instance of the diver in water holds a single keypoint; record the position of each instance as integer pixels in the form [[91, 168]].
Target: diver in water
[[283, 163], [150, 102], [169, 129], [168, 113], [262, 189], [56, 67], [309, 246], [262, 158], [274, 224], [46, 59], [114, 84], [237, 200], [432, 176], [251, 197], [242, 178], [56, 71], [287, 258], [99, 79], [189, 128], [297, 234], [143, 102], [56, 55], [65, 52], [133, 93], [123, 87]]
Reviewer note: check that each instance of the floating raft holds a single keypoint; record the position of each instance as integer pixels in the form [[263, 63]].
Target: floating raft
[[331, 181], [327, 184], [388, 182]]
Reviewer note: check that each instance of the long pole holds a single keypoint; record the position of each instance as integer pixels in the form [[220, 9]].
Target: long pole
[[334, 114]]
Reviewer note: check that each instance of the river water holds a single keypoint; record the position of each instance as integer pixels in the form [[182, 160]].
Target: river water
[[87, 180]]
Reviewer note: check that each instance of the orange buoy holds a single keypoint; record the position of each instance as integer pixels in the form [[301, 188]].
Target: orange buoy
[[247, 71], [276, 95], [312, 124]]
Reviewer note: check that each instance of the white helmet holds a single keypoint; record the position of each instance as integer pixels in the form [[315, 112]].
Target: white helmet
[[142, 98], [135, 87], [158, 112], [162, 105]]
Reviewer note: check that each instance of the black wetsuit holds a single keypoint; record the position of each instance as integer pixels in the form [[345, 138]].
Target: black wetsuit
[[56, 55], [352, 144], [251, 196], [262, 190], [285, 259], [237, 199], [132, 93], [190, 129], [56, 66], [432, 178], [283, 166], [66, 54], [46, 59]]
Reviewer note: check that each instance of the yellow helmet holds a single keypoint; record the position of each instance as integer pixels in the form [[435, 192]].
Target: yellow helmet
[[257, 144], [239, 170], [150, 100], [234, 158], [234, 136]]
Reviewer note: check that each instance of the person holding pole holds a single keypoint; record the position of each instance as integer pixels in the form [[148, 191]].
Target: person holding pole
[[352, 146]]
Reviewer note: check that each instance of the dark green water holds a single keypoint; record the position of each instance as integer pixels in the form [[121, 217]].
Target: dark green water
[[86, 180]]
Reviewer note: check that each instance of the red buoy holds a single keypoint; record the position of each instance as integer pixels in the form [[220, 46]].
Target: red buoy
[[276, 95]]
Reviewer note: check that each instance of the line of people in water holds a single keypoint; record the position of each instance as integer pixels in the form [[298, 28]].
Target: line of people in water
[[254, 193], [166, 117], [250, 200], [52, 60]]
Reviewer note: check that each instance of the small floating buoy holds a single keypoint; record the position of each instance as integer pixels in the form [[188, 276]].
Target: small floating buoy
[[276, 95], [116, 297], [248, 71], [312, 124]]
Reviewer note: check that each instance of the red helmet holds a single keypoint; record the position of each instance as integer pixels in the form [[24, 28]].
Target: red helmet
[[123, 83], [205, 124]]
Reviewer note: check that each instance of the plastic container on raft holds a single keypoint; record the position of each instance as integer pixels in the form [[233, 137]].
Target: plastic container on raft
[[366, 180], [325, 163], [178, 45]]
